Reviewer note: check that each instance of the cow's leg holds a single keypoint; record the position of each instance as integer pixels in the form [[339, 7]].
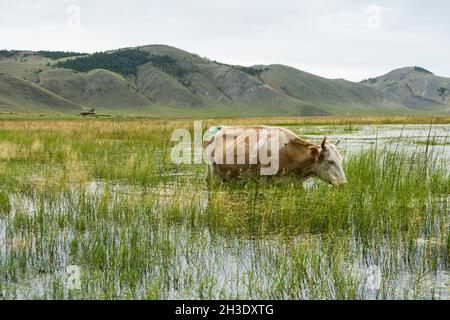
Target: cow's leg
[[212, 175], [209, 172]]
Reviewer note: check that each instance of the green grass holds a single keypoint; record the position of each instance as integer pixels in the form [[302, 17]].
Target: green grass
[[104, 195], [347, 128], [433, 142]]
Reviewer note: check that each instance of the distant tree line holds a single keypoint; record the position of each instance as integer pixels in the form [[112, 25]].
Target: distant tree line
[[370, 80], [443, 92], [168, 65], [251, 70], [124, 62], [8, 53], [56, 55], [256, 72], [420, 69]]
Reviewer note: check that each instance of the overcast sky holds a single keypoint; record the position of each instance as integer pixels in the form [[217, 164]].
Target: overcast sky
[[334, 39]]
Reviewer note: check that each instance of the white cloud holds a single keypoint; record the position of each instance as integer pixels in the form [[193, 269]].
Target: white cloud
[[329, 38]]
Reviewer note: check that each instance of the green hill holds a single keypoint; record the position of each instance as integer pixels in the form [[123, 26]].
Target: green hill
[[336, 95], [162, 80], [97, 88], [17, 94], [416, 87]]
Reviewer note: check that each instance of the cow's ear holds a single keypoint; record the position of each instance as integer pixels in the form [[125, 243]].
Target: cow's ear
[[337, 143], [324, 141], [314, 152]]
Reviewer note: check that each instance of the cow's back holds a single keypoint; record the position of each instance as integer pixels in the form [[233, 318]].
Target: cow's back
[[243, 143]]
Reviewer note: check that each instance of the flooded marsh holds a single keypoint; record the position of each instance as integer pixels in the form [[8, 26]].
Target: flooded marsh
[[105, 197]]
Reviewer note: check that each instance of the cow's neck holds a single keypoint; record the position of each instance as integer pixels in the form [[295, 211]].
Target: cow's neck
[[299, 161]]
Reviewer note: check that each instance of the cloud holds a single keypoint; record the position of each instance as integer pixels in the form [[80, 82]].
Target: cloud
[[330, 38]]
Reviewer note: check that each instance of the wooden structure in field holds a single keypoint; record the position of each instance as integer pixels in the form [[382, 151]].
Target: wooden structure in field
[[87, 112]]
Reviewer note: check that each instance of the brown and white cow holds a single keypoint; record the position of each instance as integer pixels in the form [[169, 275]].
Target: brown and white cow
[[235, 151]]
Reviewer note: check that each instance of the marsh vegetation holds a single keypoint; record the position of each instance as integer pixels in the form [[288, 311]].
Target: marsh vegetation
[[104, 195]]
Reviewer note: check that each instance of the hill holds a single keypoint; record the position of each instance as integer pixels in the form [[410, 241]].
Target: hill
[[163, 80], [17, 94], [416, 87]]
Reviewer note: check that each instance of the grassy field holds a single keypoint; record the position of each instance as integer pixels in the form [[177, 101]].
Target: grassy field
[[176, 121], [103, 194]]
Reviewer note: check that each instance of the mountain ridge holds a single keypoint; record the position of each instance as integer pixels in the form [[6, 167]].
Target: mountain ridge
[[149, 78]]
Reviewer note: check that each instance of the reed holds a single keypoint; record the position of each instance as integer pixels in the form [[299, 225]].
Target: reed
[[104, 195]]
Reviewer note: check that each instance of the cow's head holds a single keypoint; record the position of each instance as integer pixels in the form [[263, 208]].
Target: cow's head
[[328, 163]]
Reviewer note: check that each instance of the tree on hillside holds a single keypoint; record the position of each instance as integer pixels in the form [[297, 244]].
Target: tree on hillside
[[56, 55], [124, 62], [443, 92]]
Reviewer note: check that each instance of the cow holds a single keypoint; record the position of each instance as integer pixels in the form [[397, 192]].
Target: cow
[[247, 146]]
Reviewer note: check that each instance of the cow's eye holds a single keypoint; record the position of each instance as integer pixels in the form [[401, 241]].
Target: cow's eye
[[331, 162]]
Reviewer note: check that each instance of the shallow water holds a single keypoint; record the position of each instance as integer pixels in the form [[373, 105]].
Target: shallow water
[[412, 138], [229, 266]]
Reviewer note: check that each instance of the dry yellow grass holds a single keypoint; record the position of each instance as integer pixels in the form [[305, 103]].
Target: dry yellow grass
[[8, 150], [95, 126]]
